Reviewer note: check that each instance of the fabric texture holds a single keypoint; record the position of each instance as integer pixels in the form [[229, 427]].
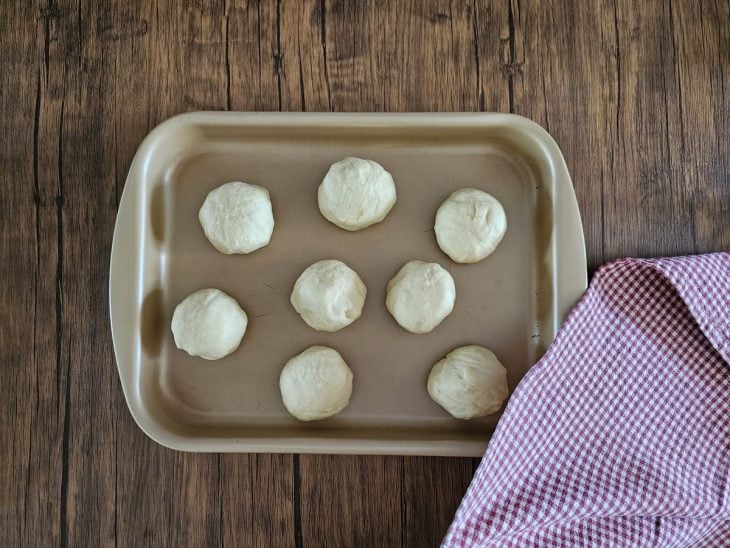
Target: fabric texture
[[620, 435]]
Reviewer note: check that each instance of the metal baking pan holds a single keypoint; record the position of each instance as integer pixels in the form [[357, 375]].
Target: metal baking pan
[[512, 302]]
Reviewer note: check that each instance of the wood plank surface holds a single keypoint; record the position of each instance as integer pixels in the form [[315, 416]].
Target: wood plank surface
[[637, 96]]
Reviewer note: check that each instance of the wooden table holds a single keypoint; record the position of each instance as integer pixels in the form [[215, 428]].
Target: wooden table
[[637, 95]]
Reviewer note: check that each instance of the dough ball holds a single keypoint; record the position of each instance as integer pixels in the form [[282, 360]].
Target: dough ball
[[469, 382], [237, 218], [420, 296], [315, 384], [329, 295], [209, 324], [356, 193], [469, 225]]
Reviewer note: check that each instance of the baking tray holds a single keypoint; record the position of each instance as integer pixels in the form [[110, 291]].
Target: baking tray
[[512, 302]]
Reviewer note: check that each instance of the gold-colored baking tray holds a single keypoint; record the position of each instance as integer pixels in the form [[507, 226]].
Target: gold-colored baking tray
[[512, 302]]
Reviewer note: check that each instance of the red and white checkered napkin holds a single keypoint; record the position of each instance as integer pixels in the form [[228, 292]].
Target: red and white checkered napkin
[[620, 435]]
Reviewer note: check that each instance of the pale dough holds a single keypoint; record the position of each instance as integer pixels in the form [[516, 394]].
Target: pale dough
[[420, 296], [237, 217], [209, 324], [469, 382], [329, 295], [469, 225], [315, 384], [356, 193]]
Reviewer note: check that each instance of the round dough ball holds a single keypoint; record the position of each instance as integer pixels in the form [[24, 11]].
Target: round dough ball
[[469, 382], [209, 324], [329, 295], [315, 384], [469, 225], [356, 193], [237, 217], [420, 296]]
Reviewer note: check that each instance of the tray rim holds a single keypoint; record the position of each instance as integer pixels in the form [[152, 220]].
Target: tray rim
[[569, 286]]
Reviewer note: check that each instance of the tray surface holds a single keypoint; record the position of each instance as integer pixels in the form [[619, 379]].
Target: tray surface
[[512, 302]]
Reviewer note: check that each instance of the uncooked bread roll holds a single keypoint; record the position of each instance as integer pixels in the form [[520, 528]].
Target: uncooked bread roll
[[315, 384], [329, 295], [356, 193], [469, 225], [420, 296], [237, 217], [469, 382], [209, 324]]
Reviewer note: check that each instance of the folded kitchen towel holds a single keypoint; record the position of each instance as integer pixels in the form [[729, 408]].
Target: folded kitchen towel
[[620, 435]]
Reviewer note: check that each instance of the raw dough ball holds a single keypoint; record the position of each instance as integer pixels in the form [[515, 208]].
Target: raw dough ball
[[329, 295], [315, 384], [420, 296], [469, 382], [209, 324], [469, 225], [237, 218], [356, 193]]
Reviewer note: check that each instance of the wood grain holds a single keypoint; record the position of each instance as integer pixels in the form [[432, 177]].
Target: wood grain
[[636, 94]]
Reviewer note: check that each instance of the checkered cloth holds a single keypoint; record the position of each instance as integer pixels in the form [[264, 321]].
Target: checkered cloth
[[620, 435]]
